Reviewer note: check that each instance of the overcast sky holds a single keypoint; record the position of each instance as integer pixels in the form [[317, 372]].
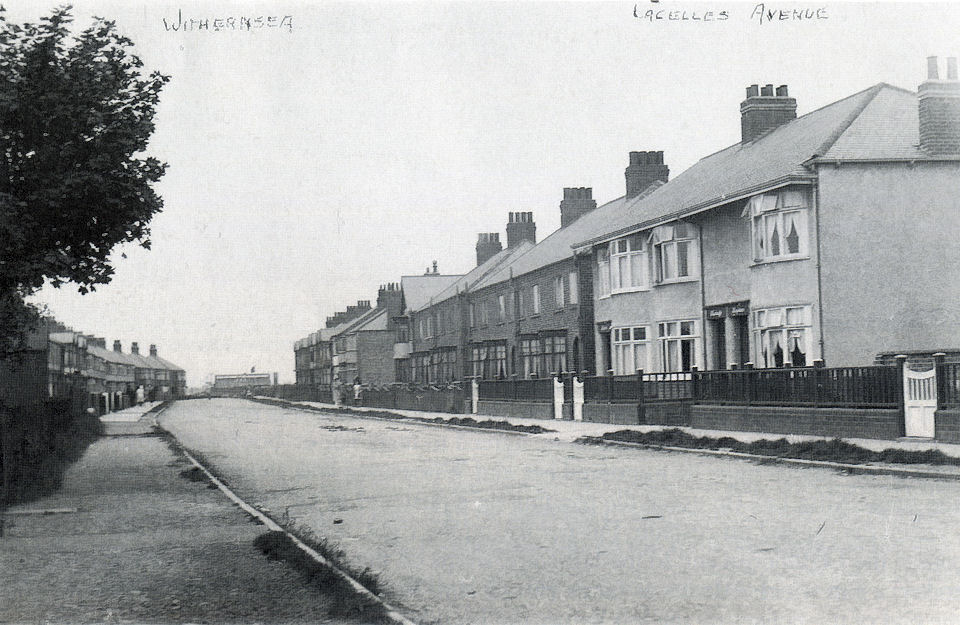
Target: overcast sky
[[308, 165]]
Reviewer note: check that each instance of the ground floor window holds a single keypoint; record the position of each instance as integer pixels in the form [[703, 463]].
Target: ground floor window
[[421, 368], [629, 347], [784, 336], [678, 345], [529, 357], [554, 354], [489, 360]]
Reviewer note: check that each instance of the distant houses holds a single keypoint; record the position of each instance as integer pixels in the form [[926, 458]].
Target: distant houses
[[60, 363], [824, 238]]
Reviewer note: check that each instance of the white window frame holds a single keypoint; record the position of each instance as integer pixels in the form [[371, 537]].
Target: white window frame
[[628, 340], [775, 212], [667, 242], [629, 267], [574, 286], [603, 271], [671, 336], [502, 307], [783, 323], [558, 292], [536, 299]]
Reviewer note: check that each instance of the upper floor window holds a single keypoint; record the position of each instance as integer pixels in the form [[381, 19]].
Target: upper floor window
[[779, 224], [628, 263], [675, 254], [403, 333], [572, 282], [558, 291], [502, 307], [536, 299], [784, 336], [603, 271], [520, 310]]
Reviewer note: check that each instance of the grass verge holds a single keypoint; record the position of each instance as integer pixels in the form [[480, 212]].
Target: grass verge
[[345, 601], [835, 450]]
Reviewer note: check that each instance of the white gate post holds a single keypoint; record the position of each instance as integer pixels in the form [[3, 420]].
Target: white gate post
[[577, 398], [557, 397], [474, 395]]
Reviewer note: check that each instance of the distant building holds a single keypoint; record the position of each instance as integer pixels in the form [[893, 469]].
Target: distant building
[[243, 380]]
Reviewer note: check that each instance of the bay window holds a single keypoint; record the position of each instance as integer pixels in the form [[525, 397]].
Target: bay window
[[779, 223], [629, 347], [784, 336], [678, 345], [675, 252], [628, 264]]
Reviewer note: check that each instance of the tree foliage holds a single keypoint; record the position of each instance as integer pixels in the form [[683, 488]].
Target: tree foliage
[[76, 113]]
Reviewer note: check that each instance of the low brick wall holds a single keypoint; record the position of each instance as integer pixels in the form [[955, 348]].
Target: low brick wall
[[667, 412], [947, 422], [506, 408], [607, 412], [838, 422]]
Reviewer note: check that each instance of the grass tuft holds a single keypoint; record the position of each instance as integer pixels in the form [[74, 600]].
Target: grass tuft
[[834, 450], [345, 601]]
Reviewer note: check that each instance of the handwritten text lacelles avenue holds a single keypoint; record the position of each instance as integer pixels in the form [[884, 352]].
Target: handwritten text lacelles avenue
[[240, 23], [761, 14]]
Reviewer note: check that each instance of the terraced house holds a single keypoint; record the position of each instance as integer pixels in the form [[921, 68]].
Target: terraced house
[[825, 237]]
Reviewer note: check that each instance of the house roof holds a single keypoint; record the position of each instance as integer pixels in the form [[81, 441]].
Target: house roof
[[478, 273], [878, 123], [376, 321], [417, 290], [557, 246]]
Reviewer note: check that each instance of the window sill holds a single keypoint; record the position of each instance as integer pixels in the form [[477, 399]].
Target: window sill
[[780, 259], [635, 289], [677, 281]]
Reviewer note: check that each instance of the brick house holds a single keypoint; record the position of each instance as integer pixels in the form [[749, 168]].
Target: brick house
[[437, 318], [313, 355], [819, 237]]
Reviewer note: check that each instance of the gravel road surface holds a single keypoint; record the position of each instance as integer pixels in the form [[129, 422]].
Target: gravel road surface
[[477, 527]]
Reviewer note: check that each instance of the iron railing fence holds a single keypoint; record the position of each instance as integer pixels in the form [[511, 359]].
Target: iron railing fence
[[948, 384], [851, 387], [538, 389]]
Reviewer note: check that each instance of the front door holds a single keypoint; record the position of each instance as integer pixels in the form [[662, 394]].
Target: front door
[[919, 402]]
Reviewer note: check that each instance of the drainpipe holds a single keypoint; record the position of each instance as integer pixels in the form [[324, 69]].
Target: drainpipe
[[816, 213], [703, 304]]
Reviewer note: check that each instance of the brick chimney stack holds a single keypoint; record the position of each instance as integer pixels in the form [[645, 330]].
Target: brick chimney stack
[[521, 227], [488, 246], [764, 110], [576, 202], [134, 348], [153, 351], [645, 168], [389, 297], [939, 109], [116, 346]]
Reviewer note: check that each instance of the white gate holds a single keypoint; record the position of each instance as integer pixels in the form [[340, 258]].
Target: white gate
[[919, 402], [577, 399], [557, 398]]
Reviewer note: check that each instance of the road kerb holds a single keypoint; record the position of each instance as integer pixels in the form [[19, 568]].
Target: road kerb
[[391, 613]]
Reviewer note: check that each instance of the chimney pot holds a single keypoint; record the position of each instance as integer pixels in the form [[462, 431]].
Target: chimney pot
[[782, 91], [933, 72], [753, 91], [766, 90]]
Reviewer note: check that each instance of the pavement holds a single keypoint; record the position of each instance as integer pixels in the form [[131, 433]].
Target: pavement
[[569, 431], [127, 539]]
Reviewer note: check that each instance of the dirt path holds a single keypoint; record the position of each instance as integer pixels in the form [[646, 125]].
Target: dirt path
[[133, 541]]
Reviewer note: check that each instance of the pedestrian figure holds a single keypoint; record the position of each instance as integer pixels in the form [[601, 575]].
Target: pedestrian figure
[[337, 392], [357, 390]]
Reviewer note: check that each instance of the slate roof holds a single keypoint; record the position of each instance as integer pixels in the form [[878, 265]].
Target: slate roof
[[557, 246], [472, 277], [417, 290], [878, 123], [377, 321]]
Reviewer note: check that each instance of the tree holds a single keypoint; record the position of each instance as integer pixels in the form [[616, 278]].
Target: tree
[[76, 113]]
